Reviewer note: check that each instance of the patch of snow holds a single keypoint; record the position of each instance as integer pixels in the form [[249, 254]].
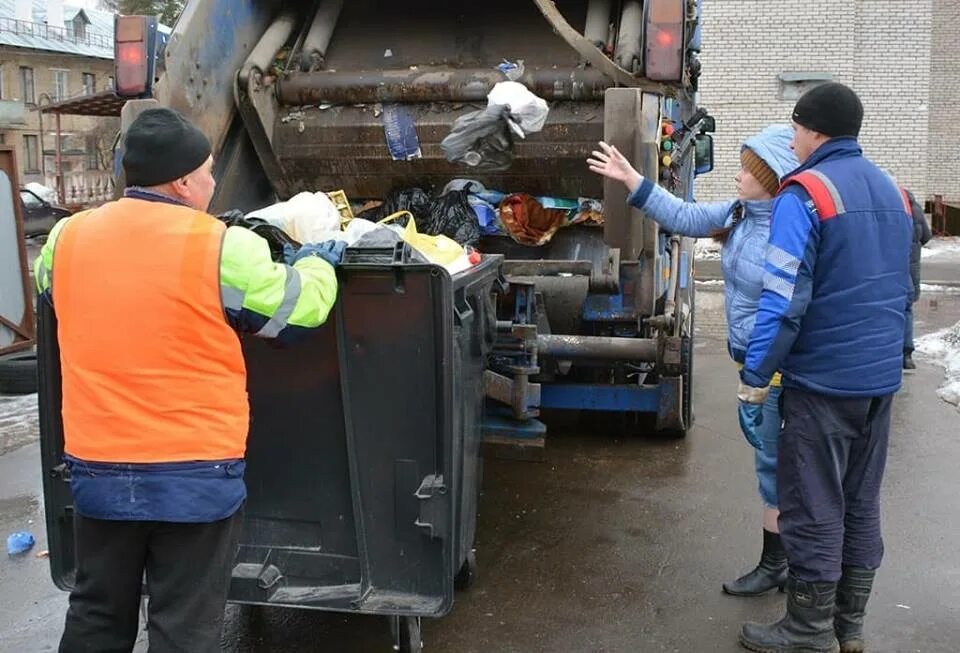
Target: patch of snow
[[933, 288], [709, 282], [942, 247], [707, 249], [943, 348]]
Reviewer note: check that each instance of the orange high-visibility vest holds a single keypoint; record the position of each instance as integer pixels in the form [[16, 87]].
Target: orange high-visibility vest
[[152, 372]]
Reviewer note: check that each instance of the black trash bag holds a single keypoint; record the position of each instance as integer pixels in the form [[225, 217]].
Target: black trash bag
[[276, 237], [414, 200], [451, 215], [481, 139]]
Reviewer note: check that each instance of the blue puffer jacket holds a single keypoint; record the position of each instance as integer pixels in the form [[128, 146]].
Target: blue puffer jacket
[[742, 256]]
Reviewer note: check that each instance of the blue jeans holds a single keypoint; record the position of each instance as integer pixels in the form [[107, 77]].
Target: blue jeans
[[766, 455]]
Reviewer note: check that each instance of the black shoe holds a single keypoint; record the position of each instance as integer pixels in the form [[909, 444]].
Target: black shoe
[[908, 363], [853, 592], [770, 573], [807, 627]]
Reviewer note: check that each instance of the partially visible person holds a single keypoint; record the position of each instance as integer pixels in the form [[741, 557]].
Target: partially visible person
[[150, 293], [743, 226], [921, 236], [831, 321]]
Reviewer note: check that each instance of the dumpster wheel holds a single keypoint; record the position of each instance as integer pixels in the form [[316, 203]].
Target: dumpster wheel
[[406, 634]]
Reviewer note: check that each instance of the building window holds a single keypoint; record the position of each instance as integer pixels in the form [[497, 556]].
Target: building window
[[110, 85], [795, 84], [79, 27], [89, 83], [26, 85], [31, 152], [3, 96], [61, 84]]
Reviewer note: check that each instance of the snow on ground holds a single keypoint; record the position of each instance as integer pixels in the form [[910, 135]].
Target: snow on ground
[[934, 288], [943, 348], [707, 249], [941, 247], [19, 420]]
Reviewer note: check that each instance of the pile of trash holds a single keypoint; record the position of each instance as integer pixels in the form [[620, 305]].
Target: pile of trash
[[440, 231], [445, 228]]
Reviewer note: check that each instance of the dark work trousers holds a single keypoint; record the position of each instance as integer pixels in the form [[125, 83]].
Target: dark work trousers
[[831, 457], [188, 569]]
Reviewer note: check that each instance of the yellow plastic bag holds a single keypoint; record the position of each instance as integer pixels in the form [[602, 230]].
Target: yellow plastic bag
[[440, 250]]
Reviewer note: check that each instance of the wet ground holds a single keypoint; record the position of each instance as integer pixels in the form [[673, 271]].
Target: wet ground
[[612, 544]]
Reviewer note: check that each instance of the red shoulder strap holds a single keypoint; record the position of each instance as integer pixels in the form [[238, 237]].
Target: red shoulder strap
[[826, 198], [906, 201]]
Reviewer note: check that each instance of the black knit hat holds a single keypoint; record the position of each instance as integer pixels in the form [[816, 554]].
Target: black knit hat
[[831, 109], [162, 146]]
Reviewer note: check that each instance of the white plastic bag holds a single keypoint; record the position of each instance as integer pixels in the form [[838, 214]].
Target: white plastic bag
[[306, 217], [528, 110]]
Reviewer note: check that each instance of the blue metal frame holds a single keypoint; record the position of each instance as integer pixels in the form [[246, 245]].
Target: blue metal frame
[[621, 398]]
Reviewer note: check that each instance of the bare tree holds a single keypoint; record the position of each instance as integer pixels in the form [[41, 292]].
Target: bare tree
[[167, 10], [102, 138]]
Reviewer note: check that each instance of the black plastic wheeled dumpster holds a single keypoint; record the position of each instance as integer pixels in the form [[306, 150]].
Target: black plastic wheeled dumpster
[[363, 461]]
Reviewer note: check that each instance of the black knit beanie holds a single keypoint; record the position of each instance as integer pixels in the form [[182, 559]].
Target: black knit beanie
[[162, 146], [831, 109]]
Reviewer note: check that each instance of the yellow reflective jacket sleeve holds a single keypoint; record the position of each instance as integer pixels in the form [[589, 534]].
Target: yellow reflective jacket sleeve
[[268, 299], [43, 266]]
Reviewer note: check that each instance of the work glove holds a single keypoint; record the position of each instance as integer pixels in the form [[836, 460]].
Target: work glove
[[751, 417], [750, 412], [750, 395], [330, 251]]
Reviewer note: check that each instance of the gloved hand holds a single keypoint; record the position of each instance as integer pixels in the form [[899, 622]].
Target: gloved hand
[[330, 251], [751, 417], [750, 395]]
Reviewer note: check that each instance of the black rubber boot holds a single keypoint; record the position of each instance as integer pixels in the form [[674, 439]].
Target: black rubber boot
[[769, 574], [853, 592], [806, 628], [908, 363]]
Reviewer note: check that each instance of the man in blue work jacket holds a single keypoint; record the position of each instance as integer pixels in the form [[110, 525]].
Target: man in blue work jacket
[[831, 320]]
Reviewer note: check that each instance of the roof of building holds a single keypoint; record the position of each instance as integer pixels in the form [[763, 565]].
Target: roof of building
[[97, 40], [102, 103]]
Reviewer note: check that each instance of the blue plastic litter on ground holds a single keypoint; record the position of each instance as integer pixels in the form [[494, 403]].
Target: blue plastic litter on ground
[[19, 543]]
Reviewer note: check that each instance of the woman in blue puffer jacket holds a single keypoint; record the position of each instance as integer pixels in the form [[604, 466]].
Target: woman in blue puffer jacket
[[743, 226]]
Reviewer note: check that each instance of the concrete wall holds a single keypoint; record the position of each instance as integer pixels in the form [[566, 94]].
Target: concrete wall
[[943, 153], [882, 48]]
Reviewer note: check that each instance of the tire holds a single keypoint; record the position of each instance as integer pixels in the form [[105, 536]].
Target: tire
[[18, 373]]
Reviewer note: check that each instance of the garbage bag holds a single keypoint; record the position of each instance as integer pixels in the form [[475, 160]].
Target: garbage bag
[[413, 200], [448, 215], [438, 249], [451, 215], [481, 139], [528, 222], [276, 237], [527, 109], [307, 217]]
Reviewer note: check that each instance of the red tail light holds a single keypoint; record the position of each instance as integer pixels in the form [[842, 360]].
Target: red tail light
[[130, 56], [663, 59]]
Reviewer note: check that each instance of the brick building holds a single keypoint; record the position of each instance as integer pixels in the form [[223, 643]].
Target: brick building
[[902, 57], [51, 52]]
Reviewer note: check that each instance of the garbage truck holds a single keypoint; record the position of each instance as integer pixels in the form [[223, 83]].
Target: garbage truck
[[364, 455]]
